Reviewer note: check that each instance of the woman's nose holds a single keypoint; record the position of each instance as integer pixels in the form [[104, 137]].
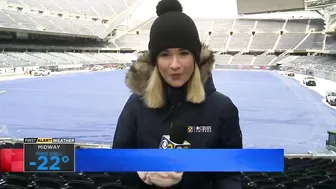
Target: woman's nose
[[175, 65]]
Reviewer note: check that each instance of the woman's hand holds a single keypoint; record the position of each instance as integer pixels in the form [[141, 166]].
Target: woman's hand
[[162, 179], [144, 177]]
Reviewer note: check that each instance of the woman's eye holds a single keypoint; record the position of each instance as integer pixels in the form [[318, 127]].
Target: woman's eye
[[164, 54], [184, 53]]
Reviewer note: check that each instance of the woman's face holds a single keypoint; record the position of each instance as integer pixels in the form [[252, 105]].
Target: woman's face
[[176, 66]]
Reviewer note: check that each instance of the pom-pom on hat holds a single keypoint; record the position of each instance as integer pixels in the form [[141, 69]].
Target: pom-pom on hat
[[173, 29]]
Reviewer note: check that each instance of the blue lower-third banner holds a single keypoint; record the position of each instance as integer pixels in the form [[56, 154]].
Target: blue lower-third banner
[[214, 160]]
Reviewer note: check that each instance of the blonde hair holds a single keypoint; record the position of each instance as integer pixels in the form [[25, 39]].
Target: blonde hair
[[154, 94], [195, 87]]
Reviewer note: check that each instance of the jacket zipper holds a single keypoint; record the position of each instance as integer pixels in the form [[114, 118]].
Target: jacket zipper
[[172, 119], [173, 114]]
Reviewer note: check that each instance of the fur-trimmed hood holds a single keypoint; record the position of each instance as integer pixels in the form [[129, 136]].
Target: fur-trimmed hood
[[140, 72]]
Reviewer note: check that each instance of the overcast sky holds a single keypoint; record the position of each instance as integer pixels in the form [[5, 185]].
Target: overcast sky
[[194, 8]]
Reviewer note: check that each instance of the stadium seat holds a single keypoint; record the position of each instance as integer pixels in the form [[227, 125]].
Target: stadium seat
[[6, 186], [74, 184], [41, 182], [15, 180]]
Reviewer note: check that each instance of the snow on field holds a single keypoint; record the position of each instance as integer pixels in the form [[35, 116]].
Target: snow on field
[[10, 77], [322, 86]]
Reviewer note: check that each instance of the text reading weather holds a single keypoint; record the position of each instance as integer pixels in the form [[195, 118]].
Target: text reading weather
[[49, 154]]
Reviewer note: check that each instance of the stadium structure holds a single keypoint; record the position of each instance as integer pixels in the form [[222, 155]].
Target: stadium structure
[[74, 34], [69, 34]]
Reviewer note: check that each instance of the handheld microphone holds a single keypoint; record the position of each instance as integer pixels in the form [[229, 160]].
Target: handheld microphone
[[176, 139]]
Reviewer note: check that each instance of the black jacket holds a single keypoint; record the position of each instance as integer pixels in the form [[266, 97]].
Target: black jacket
[[142, 127]]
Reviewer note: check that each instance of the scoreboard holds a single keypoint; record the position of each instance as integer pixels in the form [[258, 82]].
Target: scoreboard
[[40, 155]]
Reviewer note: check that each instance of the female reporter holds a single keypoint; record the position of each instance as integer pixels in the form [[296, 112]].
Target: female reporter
[[173, 82]]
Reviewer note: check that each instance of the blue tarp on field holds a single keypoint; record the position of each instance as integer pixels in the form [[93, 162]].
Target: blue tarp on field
[[275, 111]]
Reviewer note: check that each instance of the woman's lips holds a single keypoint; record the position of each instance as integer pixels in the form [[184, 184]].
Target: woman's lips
[[175, 76]]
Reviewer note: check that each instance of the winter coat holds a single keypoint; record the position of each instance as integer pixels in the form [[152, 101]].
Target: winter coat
[[140, 127]]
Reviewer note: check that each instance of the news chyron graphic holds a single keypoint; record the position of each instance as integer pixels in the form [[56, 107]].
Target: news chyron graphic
[[49, 154], [11, 156]]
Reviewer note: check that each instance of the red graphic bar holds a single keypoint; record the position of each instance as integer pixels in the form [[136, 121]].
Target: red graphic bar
[[11, 160]]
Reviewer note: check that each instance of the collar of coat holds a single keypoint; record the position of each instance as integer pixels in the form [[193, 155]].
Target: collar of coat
[[140, 72]]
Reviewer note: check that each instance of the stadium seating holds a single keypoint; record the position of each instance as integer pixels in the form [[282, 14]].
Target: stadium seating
[[203, 26], [242, 59], [259, 35], [296, 26], [316, 24], [239, 41], [36, 21], [279, 59], [290, 40], [47, 23], [7, 61], [267, 33], [133, 40], [270, 26], [263, 60], [313, 41], [266, 36], [222, 25], [264, 41], [330, 43], [326, 63], [218, 40], [90, 7], [223, 59], [244, 26], [19, 59], [137, 38]]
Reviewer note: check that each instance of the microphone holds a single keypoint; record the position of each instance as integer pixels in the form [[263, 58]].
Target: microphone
[[176, 139]]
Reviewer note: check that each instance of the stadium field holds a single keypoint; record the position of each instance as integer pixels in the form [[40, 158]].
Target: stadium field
[[275, 111]]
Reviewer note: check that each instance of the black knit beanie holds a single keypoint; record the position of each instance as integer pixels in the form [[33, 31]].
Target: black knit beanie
[[173, 29]]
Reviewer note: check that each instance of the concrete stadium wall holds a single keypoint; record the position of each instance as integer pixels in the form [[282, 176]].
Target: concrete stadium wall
[[244, 67], [328, 75]]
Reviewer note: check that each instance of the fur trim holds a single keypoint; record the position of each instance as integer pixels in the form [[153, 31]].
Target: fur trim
[[139, 73]]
